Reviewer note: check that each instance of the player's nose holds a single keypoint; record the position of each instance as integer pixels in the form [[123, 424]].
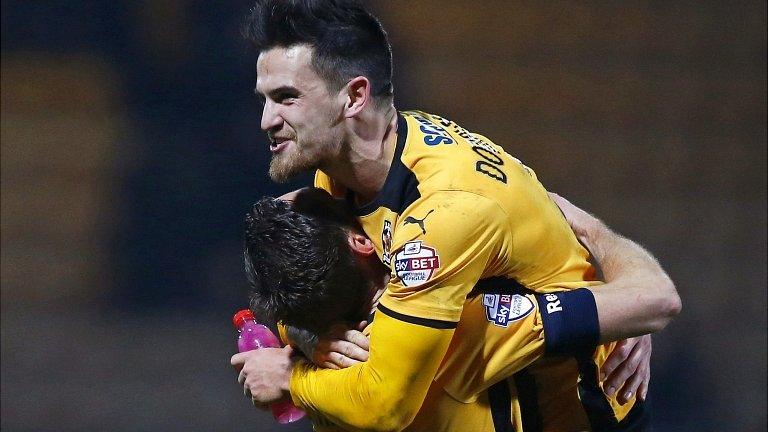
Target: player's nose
[[270, 117]]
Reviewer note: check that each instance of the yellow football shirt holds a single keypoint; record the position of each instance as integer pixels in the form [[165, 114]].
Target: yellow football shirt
[[455, 210]]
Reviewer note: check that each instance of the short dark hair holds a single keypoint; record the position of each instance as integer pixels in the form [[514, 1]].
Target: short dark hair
[[299, 264], [348, 40]]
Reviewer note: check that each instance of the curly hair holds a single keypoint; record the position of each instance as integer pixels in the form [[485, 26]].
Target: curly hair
[[348, 40], [299, 265]]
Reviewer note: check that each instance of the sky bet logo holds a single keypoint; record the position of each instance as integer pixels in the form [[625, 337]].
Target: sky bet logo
[[416, 263], [502, 309]]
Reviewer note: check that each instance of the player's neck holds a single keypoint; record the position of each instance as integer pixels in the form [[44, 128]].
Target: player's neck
[[376, 297], [378, 275], [367, 155]]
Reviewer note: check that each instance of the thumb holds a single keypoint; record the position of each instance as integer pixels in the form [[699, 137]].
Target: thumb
[[237, 361]]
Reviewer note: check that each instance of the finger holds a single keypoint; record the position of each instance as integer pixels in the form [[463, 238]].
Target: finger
[[623, 372], [348, 350], [241, 377], [630, 388], [358, 339], [642, 392], [362, 325], [345, 362], [237, 360], [330, 365], [619, 354]]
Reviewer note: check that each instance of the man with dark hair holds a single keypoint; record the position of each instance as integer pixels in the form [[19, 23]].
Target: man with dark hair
[[323, 45], [284, 236], [305, 272], [445, 209]]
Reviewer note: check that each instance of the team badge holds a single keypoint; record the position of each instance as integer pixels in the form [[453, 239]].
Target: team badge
[[386, 242], [502, 309], [415, 263]]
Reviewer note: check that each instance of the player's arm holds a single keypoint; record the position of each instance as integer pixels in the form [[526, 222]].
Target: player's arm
[[384, 393], [639, 297], [415, 319]]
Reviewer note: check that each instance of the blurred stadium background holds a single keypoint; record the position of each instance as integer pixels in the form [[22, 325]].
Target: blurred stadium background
[[131, 150]]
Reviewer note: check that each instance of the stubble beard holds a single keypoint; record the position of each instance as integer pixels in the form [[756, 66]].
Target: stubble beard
[[285, 166]]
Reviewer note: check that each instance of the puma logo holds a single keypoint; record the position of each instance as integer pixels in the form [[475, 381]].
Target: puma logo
[[419, 222]]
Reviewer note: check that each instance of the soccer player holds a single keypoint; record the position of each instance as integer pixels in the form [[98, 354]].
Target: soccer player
[[299, 260], [444, 207]]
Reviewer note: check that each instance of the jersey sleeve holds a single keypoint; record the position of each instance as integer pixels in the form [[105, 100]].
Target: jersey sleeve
[[442, 246], [383, 393]]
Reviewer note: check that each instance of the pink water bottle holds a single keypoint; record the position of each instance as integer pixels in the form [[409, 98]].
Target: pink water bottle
[[253, 335]]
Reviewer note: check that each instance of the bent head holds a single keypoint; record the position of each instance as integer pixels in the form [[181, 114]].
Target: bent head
[[304, 261], [320, 62]]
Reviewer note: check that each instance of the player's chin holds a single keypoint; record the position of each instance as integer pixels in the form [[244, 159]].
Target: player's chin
[[286, 166]]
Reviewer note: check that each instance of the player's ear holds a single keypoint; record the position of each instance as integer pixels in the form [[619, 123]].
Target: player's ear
[[360, 244], [358, 96]]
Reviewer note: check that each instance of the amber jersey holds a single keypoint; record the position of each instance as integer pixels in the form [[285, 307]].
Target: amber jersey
[[455, 211], [528, 392], [456, 208]]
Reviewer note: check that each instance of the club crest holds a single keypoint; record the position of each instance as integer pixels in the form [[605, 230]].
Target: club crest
[[386, 242]]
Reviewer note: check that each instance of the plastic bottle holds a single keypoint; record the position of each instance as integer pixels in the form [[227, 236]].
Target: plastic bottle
[[253, 335]]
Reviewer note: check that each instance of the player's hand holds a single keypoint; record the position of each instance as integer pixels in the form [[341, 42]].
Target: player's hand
[[265, 374], [627, 371], [341, 347]]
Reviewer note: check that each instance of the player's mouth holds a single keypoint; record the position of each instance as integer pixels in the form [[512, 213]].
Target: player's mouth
[[279, 144]]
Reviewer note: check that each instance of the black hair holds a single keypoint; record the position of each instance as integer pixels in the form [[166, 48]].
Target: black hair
[[348, 40], [298, 262]]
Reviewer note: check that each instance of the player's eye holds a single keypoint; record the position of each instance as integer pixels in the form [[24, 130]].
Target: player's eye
[[285, 97]]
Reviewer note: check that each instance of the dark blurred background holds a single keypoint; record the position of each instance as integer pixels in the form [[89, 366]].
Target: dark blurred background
[[131, 151]]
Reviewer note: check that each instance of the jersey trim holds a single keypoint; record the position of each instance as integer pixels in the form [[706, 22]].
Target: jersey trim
[[638, 419], [400, 189], [528, 397], [498, 285], [500, 401], [426, 322], [599, 411]]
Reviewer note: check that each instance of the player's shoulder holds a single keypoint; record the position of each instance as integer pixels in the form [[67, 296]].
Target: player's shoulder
[[443, 155], [451, 216]]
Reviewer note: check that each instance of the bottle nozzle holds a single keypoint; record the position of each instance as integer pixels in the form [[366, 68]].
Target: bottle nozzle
[[241, 317]]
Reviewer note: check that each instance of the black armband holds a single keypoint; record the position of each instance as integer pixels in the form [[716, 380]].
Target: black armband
[[570, 321]]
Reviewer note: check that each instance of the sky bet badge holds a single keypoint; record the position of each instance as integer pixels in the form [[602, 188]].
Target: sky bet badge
[[502, 309], [416, 263]]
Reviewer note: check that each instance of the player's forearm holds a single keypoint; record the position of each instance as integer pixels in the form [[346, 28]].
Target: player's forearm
[[638, 297], [383, 393]]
